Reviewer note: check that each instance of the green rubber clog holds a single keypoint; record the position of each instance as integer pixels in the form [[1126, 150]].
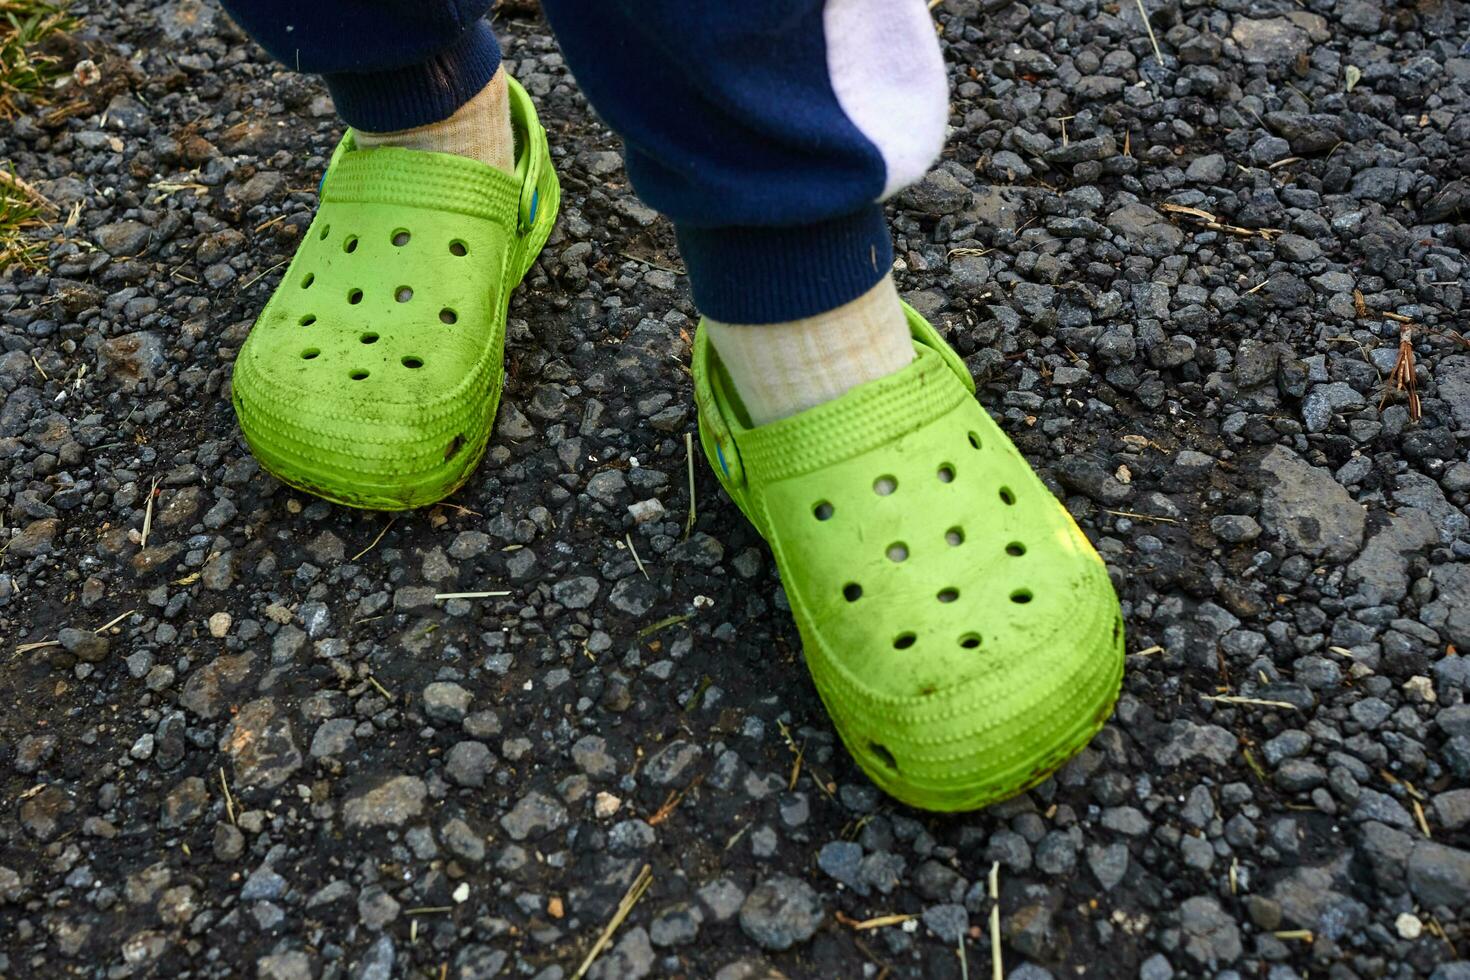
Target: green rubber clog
[[373, 374], [960, 629]]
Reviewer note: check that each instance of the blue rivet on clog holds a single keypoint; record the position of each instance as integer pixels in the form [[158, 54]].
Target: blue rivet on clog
[[720, 454], [535, 199], [321, 183]]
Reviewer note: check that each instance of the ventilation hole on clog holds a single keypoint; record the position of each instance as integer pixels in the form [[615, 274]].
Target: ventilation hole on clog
[[955, 537], [822, 511], [1006, 497], [458, 247], [354, 296], [948, 595], [898, 551], [326, 230], [970, 641], [945, 473], [885, 485], [369, 338], [357, 375], [307, 320], [852, 592], [453, 448], [903, 641], [307, 280], [883, 755], [349, 244], [1117, 629], [1015, 549], [413, 362], [403, 294], [400, 237], [975, 439], [1021, 596], [309, 353], [447, 315]]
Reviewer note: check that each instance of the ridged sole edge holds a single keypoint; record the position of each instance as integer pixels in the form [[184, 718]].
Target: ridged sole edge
[[1019, 778]]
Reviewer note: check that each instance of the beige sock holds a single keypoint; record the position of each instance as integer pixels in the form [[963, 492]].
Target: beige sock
[[780, 369], [480, 129]]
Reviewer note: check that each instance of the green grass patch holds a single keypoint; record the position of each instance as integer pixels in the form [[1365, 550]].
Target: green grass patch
[[24, 67], [22, 211]]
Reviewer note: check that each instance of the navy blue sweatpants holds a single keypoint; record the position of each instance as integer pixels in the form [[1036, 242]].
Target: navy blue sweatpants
[[766, 130]]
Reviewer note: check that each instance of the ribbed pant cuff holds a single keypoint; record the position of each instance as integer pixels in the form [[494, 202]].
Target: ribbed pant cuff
[[402, 98], [771, 275]]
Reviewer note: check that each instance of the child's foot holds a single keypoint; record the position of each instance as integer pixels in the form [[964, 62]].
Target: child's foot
[[373, 374], [960, 629]]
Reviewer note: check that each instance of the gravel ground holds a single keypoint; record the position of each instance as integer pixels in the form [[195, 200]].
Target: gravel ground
[[256, 744]]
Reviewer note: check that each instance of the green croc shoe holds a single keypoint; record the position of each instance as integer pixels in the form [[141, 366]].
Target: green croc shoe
[[960, 629], [373, 374]]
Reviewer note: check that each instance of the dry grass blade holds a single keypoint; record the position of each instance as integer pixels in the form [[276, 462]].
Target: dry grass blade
[[1207, 220], [666, 809], [630, 898], [114, 621], [261, 275], [1158, 55], [798, 753], [440, 596], [636, 560], [1199, 213], [1401, 378], [672, 801], [664, 623], [229, 800], [689, 459], [1237, 699], [148, 514], [1420, 820], [877, 922], [375, 541], [45, 644], [1134, 516]]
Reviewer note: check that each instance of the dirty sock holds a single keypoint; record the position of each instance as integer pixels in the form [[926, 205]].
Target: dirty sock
[[480, 129], [780, 369]]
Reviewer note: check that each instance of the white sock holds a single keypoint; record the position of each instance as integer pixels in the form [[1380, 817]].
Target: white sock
[[480, 129], [780, 369]]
